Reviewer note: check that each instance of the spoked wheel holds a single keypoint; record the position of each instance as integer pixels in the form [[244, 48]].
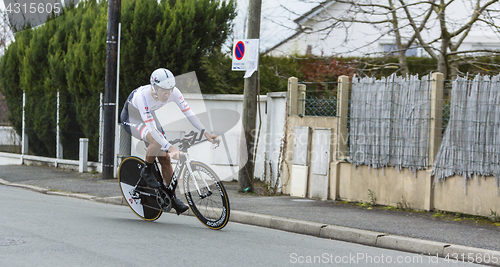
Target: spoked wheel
[[146, 207], [211, 203]]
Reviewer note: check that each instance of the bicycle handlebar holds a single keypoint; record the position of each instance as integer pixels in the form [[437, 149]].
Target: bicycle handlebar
[[190, 140]]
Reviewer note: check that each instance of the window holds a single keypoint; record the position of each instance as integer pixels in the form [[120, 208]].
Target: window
[[410, 52]]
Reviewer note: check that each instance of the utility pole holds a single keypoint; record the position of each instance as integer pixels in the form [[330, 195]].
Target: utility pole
[[247, 148], [109, 89]]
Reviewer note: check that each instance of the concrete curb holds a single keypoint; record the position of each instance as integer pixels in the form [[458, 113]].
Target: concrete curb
[[413, 245], [358, 236], [453, 253], [30, 187], [57, 193], [297, 226], [118, 200], [81, 196], [250, 218]]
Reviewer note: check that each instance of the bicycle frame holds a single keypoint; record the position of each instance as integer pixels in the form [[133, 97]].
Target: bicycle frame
[[183, 162]]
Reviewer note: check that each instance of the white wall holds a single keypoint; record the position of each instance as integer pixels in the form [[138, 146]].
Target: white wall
[[275, 132], [224, 120], [8, 136], [10, 159]]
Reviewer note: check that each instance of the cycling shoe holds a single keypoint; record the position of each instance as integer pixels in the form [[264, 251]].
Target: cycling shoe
[[150, 179], [179, 206]]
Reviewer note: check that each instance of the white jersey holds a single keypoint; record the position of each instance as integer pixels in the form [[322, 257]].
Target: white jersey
[[144, 102]]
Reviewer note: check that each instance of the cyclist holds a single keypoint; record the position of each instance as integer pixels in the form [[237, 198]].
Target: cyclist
[[139, 120]]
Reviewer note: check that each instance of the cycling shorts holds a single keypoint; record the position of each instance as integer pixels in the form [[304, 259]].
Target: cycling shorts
[[132, 122]]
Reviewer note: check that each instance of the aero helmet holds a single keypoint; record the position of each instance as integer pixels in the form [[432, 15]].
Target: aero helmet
[[162, 78]]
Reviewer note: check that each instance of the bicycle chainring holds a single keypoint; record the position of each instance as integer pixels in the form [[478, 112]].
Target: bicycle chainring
[[164, 201]]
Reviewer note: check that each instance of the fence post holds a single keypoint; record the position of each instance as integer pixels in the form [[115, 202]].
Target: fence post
[[59, 148], [342, 109], [24, 136], [435, 132], [301, 100], [101, 127], [436, 125], [293, 93], [84, 148], [340, 145]]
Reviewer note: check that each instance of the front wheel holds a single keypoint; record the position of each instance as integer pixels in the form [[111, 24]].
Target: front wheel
[[206, 195]]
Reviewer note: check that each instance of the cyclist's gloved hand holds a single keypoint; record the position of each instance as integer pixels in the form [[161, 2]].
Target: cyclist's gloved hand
[[174, 152], [214, 139]]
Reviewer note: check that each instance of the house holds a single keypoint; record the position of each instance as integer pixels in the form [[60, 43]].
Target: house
[[350, 36]]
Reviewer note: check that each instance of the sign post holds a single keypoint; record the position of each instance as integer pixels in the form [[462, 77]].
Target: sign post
[[246, 58]]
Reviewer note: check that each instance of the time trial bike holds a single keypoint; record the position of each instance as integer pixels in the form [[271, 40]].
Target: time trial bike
[[204, 192]]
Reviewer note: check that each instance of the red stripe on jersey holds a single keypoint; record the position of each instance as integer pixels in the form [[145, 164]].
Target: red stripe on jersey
[[149, 120], [140, 132], [186, 110]]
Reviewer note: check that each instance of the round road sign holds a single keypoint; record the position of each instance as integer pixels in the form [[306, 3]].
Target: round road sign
[[239, 50]]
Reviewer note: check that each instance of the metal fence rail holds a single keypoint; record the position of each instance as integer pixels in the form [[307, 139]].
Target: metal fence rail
[[325, 106], [320, 99]]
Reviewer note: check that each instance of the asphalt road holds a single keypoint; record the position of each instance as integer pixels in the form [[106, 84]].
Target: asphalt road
[[409, 224], [43, 230]]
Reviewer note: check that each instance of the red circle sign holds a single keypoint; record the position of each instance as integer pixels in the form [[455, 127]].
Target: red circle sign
[[239, 50]]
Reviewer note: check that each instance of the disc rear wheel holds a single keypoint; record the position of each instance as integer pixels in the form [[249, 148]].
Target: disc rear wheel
[[146, 207]]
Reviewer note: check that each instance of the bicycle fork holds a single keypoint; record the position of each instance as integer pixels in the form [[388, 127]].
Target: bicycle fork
[[193, 177]]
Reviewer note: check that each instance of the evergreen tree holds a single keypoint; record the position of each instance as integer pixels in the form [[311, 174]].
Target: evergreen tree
[[40, 96], [85, 69]]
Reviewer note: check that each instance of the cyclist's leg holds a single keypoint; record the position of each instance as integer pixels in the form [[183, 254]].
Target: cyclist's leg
[[166, 169], [133, 124], [163, 157], [128, 175], [153, 151]]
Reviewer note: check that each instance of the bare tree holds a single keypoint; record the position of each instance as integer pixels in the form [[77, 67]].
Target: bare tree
[[436, 26], [5, 32], [445, 48]]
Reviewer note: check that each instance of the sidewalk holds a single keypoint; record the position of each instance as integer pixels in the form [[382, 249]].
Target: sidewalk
[[406, 231]]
